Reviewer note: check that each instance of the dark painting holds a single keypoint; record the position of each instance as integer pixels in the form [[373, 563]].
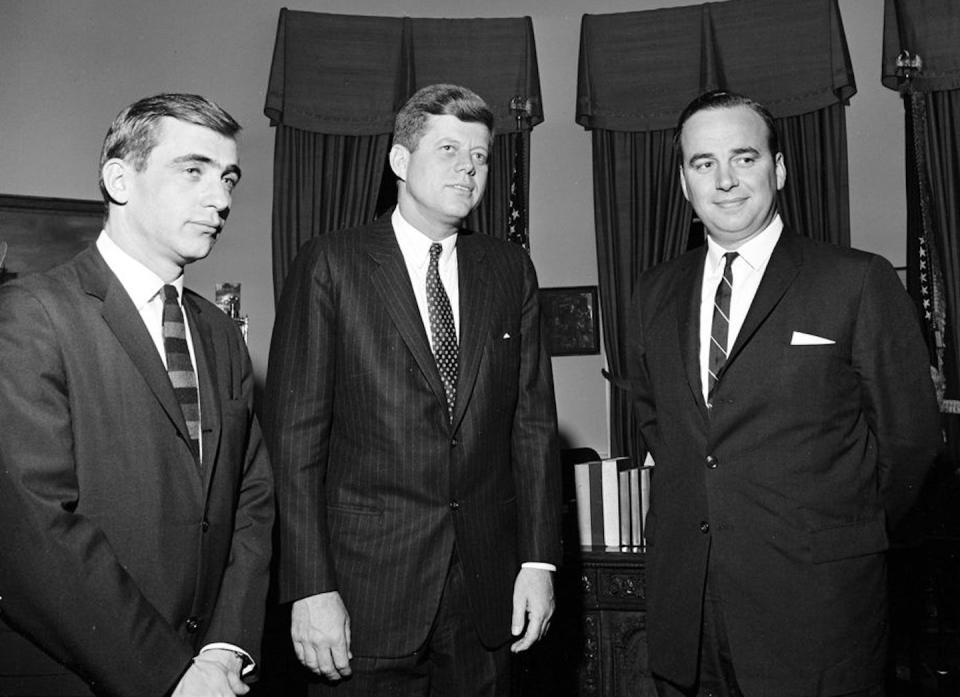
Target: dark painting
[[38, 233]]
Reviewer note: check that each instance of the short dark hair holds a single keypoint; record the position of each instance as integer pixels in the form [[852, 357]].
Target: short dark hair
[[133, 133], [722, 99], [438, 100]]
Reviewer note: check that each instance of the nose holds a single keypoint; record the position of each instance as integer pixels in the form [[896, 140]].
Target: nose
[[726, 177], [465, 162], [219, 196]]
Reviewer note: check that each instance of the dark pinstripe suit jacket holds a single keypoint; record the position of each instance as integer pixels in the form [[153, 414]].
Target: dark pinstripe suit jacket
[[375, 485]]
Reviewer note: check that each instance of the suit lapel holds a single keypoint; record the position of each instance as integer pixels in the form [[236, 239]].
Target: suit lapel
[[475, 304], [392, 282], [205, 353], [782, 269], [125, 322], [688, 323]]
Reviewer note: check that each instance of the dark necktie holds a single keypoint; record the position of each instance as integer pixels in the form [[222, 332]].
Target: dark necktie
[[443, 333], [180, 367], [721, 322]]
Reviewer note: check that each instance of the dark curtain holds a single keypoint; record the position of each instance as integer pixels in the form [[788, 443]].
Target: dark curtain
[[321, 183], [336, 83], [637, 72], [641, 219], [815, 200]]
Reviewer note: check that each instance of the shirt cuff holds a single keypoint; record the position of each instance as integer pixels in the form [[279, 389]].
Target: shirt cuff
[[538, 565], [248, 664]]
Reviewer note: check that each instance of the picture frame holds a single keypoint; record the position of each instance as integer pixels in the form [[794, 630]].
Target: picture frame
[[38, 233], [571, 320]]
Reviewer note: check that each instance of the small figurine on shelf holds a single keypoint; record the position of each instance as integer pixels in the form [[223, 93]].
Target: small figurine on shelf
[[228, 300]]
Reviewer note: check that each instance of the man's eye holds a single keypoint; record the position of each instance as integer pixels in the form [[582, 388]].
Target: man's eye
[[703, 166], [230, 183], [480, 157]]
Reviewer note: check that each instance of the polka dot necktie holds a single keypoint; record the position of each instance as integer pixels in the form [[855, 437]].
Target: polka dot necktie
[[721, 322], [180, 367], [443, 333]]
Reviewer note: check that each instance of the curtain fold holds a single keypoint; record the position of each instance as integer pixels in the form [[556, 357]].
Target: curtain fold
[[641, 219], [336, 83], [637, 72], [321, 183]]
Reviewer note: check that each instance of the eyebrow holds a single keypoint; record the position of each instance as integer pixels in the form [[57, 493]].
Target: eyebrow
[[204, 160], [736, 151]]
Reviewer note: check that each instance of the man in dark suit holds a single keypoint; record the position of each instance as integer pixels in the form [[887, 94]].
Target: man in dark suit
[[783, 389], [411, 418], [136, 498]]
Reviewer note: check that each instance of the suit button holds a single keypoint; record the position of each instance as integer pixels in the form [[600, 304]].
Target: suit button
[[205, 525], [454, 505], [454, 442], [712, 462], [704, 527], [193, 624]]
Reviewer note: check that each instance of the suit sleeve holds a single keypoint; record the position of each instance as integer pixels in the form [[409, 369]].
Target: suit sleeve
[[60, 582], [534, 439], [297, 423], [239, 615], [898, 398], [635, 383]]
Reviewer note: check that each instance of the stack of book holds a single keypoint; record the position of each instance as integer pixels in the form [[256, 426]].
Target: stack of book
[[613, 495]]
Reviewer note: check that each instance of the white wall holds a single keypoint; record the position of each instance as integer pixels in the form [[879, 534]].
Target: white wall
[[66, 68]]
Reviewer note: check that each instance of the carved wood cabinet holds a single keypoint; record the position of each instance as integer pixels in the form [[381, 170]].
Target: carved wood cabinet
[[597, 645]]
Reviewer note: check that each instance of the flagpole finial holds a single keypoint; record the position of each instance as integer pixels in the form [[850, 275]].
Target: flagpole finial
[[521, 109]]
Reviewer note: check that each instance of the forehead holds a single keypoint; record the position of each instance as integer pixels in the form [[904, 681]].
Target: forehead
[[175, 138], [715, 131], [439, 126]]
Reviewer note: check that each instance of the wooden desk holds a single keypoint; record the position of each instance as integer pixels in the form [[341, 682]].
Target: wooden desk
[[597, 644]]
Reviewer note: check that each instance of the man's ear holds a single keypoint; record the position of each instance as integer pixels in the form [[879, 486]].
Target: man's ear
[[780, 168], [399, 158], [683, 184], [116, 181]]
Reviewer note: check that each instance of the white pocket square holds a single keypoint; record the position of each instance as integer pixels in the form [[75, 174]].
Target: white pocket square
[[506, 336], [804, 339]]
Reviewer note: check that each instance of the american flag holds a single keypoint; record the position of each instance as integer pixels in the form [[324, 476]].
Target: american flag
[[517, 208]]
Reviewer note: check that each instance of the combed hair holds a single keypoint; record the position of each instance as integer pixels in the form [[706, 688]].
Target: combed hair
[[134, 132], [437, 100], [722, 99]]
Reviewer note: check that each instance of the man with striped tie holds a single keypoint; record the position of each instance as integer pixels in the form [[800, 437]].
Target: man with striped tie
[[782, 386], [136, 499]]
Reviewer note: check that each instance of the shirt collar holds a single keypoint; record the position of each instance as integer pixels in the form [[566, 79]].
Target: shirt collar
[[141, 284], [415, 245], [755, 252]]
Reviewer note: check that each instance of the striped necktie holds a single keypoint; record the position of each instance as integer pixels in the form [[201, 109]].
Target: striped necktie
[[721, 322], [443, 333], [180, 367]]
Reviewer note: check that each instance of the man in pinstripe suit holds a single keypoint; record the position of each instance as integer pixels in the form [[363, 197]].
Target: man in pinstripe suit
[[418, 489]]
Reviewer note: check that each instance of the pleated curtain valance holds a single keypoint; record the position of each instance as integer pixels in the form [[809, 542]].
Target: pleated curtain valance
[[929, 29], [639, 69], [350, 74]]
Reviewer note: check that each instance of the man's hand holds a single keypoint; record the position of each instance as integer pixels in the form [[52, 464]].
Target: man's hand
[[214, 673], [533, 601], [320, 629]]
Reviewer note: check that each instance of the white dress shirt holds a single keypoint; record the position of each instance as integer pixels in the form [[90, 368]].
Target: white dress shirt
[[748, 269], [415, 248]]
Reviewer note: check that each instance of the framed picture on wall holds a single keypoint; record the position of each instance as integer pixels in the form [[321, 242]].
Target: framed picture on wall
[[571, 320], [37, 233]]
